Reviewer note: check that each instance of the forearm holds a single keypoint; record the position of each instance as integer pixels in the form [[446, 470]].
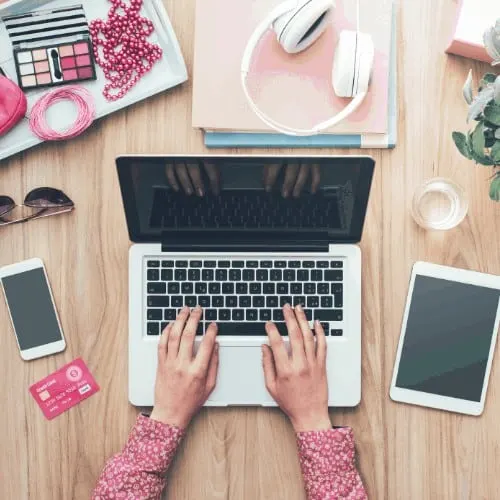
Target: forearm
[[328, 465], [139, 471]]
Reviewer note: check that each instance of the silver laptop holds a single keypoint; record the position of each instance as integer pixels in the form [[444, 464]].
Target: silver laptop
[[242, 251]]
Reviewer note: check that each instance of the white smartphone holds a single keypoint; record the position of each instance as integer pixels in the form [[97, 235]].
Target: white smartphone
[[32, 309]]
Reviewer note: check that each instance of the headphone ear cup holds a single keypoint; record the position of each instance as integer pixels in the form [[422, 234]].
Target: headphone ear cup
[[301, 27], [364, 63], [344, 64]]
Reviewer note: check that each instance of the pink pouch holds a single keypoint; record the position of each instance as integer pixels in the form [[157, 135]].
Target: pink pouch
[[13, 104]]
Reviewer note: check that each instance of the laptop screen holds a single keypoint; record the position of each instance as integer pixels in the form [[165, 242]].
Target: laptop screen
[[272, 195]]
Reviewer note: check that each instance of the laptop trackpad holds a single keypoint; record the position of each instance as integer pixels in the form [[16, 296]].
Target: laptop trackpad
[[240, 379]]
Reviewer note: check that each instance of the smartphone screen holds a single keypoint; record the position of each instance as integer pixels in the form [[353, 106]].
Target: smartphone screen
[[31, 308]]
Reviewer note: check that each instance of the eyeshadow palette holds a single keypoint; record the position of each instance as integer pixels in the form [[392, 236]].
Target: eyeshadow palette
[[51, 47], [55, 65]]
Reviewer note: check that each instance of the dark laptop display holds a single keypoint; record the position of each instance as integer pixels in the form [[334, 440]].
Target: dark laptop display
[[244, 198]]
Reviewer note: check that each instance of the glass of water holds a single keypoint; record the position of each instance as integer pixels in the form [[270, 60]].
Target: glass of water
[[439, 204]]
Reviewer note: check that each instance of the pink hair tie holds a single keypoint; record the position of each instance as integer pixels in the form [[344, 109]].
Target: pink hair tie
[[86, 113]]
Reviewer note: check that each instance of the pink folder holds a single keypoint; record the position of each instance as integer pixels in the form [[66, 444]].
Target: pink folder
[[294, 89]]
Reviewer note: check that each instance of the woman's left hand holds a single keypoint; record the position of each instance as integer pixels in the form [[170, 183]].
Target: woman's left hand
[[184, 381]]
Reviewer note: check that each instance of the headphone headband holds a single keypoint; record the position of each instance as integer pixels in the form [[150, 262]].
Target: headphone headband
[[254, 39]]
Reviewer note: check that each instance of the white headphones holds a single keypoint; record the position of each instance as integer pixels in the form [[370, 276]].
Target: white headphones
[[298, 24]]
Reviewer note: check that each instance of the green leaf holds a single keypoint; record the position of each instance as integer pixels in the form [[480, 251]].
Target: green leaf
[[492, 113], [496, 88], [482, 159], [467, 89], [487, 78], [495, 188], [495, 152], [478, 140], [497, 133], [461, 144]]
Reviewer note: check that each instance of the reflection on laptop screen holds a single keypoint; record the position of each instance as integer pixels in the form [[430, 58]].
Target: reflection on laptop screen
[[247, 194]]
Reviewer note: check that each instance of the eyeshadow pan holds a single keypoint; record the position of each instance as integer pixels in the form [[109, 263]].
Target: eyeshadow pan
[[66, 50], [43, 78], [26, 69], [82, 60], [81, 48], [24, 57], [68, 62], [28, 81], [85, 72], [39, 55], [42, 66], [70, 74]]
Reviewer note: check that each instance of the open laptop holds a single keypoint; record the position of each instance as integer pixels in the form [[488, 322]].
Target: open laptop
[[241, 251]]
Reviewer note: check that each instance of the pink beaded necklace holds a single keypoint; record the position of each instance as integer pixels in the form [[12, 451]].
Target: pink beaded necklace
[[125, 54]]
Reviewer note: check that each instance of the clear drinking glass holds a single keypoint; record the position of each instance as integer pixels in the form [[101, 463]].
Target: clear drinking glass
[[439, 204]]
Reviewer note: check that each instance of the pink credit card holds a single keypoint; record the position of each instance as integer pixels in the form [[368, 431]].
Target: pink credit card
[[64, 388]]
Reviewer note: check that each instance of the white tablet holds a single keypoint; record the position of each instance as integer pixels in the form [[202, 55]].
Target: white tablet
[[448, 338]]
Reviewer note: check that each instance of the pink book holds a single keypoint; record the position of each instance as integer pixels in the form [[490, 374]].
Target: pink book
[[294, 89]]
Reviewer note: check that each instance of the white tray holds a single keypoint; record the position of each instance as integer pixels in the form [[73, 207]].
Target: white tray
[[166, 73]]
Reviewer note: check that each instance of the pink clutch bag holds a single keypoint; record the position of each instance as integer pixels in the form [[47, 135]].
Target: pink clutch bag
[[13, 104]]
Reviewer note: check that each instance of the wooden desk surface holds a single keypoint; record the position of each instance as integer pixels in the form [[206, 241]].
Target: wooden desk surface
[[404, 452]]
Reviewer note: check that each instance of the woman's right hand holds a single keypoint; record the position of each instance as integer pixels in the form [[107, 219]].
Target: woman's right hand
[[297, 381]]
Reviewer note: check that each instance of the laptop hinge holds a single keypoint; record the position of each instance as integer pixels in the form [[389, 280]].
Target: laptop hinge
[[243, 243]]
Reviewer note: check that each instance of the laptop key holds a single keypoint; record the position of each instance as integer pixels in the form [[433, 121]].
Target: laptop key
[[153, 328], [299, 300], [245, 301], [251, 328], [336, 264], [200, 328], [172, 287], [323, 288], [278, 315], [187, 288], [255, 288], [326, 302], [308, 264], [180, 275], [268, 288], [157, 287], [251, 315], [238, 263], [265, 314], [328, 314], [224, 315], [234, 275], [336, 333], [280, 264], [248, 275], [224, 263], [289, 275], [153, 263], [285, 299], [272, 302], [231, 301], [296, 288], [322, 264], [339, 300], [200, 288], [154, 314], [163, 325], [309, 288], [294, 264], [241, 288], [316, 275], [309, 314], [207, 275], [282, 288], [195, 263], [190, 301], [334, 275], [313, 301], [238, 314], [221, 275], [302, 275], [326, 327], [176, 301], [252, 264], [337, 288], [266, 264], [276, 275], [218, 301], [262, 275], [211, 314], [204, 301], [167, 263], [228, 288], [153, 275], [258, 301], [181, 263], [170, 314], [158, 301], [167, 275], [209, 263], [213, 288], [194, 275]]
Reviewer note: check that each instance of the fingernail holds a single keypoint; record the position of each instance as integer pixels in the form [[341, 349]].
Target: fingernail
[[200, 192], [287, 306], [316, 322], [213, 324], [197, 308], [298, 307]]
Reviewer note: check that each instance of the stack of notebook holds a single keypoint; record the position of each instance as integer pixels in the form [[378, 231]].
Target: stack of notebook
[[292, 89]]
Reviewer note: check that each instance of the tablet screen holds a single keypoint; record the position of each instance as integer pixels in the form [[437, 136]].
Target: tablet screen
[[448, 336]]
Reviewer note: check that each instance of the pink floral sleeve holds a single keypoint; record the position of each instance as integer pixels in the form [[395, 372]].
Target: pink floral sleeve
[[328, 466], [138, 472]]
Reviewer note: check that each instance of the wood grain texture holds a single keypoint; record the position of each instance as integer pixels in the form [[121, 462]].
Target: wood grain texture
[[405, 452]]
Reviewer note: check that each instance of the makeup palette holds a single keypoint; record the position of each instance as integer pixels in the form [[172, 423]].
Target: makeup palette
[[51, 47]]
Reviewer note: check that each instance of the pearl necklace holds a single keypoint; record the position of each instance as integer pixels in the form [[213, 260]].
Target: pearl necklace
[[126, 54]]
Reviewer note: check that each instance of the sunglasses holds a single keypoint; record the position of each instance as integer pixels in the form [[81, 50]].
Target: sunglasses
[[46, 201]]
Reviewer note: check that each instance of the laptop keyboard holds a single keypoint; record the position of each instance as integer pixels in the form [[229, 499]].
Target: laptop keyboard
[[242, 295]]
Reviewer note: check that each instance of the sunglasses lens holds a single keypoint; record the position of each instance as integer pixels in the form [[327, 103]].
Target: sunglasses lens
[[47, 198], [6, 204]]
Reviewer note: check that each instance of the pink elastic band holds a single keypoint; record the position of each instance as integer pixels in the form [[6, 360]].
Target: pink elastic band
[[86, 113]]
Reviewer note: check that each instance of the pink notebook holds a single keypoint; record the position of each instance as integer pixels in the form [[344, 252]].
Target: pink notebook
[[294, 89]]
